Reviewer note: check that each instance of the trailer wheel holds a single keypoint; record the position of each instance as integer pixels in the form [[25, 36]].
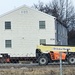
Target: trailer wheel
[[71, 60], [2, 60], [43, 60]]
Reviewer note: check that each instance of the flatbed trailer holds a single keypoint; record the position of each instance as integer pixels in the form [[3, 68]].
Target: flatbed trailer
[[7, 59], [44, 54]]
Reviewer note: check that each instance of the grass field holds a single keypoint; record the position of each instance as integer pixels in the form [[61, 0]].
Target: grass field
[[37, 71]]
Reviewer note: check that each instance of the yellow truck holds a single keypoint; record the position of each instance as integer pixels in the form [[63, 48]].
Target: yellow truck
[[51, 53]]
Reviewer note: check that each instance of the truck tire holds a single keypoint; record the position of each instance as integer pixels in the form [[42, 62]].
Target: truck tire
[[43, 60], [71, 60]]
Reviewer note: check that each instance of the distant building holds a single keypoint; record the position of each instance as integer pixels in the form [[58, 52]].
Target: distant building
[[61, 34], [22, 29]]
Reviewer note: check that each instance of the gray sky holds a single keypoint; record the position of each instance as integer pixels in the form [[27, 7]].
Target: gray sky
[[8, 5]]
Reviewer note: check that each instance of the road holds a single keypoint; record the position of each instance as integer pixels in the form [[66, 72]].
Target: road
[[20, 65]]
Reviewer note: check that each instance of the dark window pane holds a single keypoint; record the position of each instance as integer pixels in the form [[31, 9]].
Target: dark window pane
[[41, 24], [7, 25], [42, 41], [8, 43]]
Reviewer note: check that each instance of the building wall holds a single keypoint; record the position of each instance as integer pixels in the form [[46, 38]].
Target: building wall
[[25, 33], [61, 34]]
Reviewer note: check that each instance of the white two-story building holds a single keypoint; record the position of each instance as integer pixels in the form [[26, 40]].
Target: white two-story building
[[22, 29]]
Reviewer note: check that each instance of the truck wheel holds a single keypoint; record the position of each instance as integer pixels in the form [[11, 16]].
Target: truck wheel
[[71, 60], [43, 60]]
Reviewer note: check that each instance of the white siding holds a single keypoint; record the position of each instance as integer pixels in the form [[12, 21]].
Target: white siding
[[25, 33]]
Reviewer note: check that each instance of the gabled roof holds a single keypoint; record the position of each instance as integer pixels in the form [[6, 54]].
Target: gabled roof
[[25, 7]]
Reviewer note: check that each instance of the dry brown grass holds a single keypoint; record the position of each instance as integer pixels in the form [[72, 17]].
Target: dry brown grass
[[37, 71]]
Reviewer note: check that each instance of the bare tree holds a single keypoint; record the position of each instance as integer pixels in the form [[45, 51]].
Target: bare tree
[[63, 10], [39, 6]]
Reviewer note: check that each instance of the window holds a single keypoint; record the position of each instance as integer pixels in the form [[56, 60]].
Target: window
[[7, 25], [24, 12], [8, 44], [42, 41], [41, 24]]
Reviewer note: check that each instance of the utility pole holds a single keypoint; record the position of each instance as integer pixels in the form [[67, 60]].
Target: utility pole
[[61, 63]]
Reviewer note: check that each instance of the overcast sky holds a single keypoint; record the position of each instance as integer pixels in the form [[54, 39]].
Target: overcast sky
[[8, 5]]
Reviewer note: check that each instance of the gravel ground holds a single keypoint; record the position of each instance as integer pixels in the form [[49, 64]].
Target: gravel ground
[[46, 70]]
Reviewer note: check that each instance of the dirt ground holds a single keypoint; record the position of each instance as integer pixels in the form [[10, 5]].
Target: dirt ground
[[37, 71]]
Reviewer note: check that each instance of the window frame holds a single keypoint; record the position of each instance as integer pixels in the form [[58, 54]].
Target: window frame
[[44, 41], [8, 26], [8, 43], [42, 25]]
